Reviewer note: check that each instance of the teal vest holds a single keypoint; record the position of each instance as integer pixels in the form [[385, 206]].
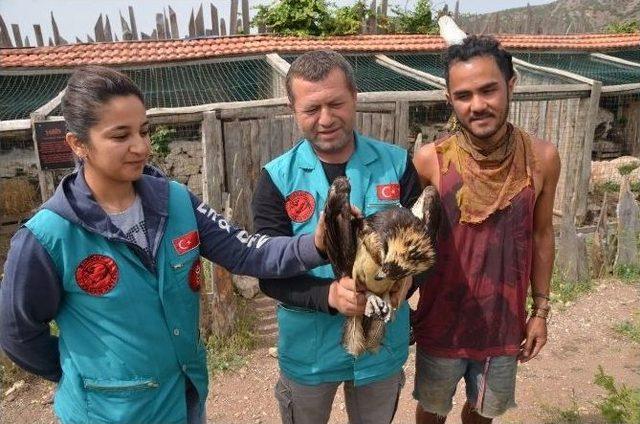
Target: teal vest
[[310, 347], [128, 337]]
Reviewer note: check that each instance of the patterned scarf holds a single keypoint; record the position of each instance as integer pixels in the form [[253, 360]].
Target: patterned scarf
[[492, 176]]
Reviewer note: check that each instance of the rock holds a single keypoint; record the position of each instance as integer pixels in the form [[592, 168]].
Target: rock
[[273, 352], [18, 161], [247, 286], [195, 184], [628, 228], [571, 257], [16, 387], [608, 171]]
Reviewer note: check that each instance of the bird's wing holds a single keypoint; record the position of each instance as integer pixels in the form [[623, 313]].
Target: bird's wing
[[431, 211], [340, 228]]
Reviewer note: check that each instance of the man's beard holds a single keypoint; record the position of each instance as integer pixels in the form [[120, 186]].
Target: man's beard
[[501, 122], [330, 146]]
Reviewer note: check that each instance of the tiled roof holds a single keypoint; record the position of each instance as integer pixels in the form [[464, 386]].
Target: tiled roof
[[160, 51]]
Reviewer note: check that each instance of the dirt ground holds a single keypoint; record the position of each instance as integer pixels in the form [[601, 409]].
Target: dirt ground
[[580, 339]]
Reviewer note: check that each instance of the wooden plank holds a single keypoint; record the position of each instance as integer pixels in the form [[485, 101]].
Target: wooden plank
[[388, 127], [213, 169], [553, 71], [376, 107], [254, 112], [402, 124], [48, 107], [244, 177], [264, 134], [232, 155], [376, 125], [366, 125], [278, 63]]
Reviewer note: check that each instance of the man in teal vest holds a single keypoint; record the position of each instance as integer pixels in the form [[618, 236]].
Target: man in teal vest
[[288, 200]]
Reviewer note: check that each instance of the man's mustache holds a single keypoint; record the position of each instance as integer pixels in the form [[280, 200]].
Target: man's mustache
[[483, 116]]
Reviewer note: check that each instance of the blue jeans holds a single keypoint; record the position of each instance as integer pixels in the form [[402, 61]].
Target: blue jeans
[[490, 384]]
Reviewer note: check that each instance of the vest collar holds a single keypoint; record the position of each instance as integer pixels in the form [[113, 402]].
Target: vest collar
[[309, 160]]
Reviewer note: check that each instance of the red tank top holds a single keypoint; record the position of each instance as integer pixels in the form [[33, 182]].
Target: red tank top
[[473, 304]]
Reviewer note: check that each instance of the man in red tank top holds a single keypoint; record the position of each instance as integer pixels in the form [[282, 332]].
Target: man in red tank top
[[497, 186]]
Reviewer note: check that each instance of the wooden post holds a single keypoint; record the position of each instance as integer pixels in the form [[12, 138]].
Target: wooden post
[[98, 29], [199, 22], [246, 20], [528, 25], [223, 27], [402, 124], [134, 27], [587, 146], [5, 39], [26, 41], [108, 36], [126, 31], [38, 31], [56, 34], [192, 26], [456, 12], [233, 17], [215, 24], [160, 26], [213, 169], [173, 22], [167, 27], [16, 35]]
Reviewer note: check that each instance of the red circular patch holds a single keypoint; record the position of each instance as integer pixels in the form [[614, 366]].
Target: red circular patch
[[300, 205], [195, 275], [97, 274]]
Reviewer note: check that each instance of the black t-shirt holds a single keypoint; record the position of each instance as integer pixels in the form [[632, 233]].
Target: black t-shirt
[[270, 218]]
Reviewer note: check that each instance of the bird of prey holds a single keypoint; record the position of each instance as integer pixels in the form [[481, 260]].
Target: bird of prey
[[378, 252]]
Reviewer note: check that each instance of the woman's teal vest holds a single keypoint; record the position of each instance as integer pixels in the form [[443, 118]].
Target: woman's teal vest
[[128, 337], [310, 349]]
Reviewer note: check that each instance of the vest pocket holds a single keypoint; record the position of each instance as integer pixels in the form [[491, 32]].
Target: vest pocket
[[297, 341], [120, 401]]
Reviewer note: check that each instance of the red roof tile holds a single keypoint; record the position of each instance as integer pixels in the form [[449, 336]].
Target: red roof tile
[[145, 52]]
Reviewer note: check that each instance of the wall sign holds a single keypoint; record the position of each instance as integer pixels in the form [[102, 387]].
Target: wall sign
[[53, 151]]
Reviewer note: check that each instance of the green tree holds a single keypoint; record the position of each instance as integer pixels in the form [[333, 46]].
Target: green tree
[[417, 21], [348, 20], [624, 27], [294, 17]]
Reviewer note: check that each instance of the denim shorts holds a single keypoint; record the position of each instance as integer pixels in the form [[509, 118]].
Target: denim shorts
[[490, 384]]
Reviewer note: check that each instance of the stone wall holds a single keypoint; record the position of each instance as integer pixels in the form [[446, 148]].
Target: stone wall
[[18, 159], [183, 163]]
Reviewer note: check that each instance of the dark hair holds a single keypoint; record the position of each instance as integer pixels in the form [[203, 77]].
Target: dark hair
[[88, 89], [478, 45], [316, 65]]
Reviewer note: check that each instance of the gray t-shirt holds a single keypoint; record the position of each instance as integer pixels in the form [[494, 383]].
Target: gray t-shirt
[[131, 223]]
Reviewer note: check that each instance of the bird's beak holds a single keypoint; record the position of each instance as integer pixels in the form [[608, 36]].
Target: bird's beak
[[380, 276]]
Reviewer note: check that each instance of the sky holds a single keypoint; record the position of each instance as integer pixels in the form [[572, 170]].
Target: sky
[[78, 17]]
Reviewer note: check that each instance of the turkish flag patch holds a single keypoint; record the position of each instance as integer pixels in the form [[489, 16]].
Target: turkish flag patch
[[97, 274], [195, 275], [388, 191], [186, 242], [300, 206]]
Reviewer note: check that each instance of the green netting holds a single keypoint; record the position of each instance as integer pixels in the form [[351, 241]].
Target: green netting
[[170, 86], [22, 94], [632, 55], [584, 64], [190, 85], [433, 64], [430, 63], [371, 76]]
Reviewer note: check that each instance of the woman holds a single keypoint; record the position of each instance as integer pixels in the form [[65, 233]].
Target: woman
[[113, 258]]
